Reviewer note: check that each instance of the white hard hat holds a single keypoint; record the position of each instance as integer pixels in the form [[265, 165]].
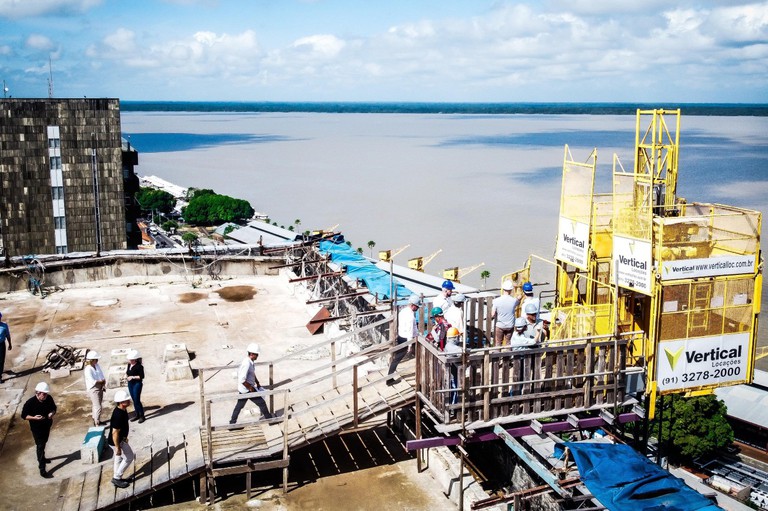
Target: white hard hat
[[531, 308], [92, 355], [133, 355], [414, 300], [43, 387], [253, 348], [121, 396], [507, 285], [459, 297], [520, 322]]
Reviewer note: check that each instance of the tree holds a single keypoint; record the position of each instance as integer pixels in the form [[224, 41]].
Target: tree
[[297, 222], [371, 244], [152, 199], [208, 208], [485, 275], [189, 238], [169, 225], [692, 427], [360, 250]]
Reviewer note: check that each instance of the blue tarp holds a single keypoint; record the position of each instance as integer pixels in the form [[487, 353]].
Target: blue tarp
[[624, 480], [358, 267]]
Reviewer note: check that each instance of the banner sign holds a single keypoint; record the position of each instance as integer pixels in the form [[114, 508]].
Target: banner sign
[[702, 361], [632, 263], [711, 267], [573, 243]]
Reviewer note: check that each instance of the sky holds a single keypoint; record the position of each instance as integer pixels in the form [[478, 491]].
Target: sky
[[710, 51]]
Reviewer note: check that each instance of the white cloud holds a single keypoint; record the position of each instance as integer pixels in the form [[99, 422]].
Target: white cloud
[[17, 9], [322, 45], [39, 43]]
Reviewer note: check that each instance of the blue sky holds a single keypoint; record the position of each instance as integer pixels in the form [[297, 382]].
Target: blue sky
[[399, 50]]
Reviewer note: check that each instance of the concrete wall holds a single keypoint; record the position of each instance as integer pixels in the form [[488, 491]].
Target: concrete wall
[[137, 269]]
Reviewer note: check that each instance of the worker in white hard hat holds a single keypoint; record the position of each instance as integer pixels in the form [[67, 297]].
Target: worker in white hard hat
[[407, 329], [134, 373], [5, 336], [520, 338], [531, 311], [247, 382], [95, 384], [503, 314], [454, 315], [118, 438], [39, 411]]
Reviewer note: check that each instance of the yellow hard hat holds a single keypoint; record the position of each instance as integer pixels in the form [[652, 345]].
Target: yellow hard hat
[[453, 332]]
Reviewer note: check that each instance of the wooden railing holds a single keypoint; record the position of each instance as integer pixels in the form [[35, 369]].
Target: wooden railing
[[557, 376]]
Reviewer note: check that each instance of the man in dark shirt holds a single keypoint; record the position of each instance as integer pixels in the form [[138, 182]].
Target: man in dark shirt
[[39, 411], [118, 438]]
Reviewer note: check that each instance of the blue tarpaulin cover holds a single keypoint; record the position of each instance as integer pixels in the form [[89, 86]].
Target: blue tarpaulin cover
[[358, 267], [624, 480]]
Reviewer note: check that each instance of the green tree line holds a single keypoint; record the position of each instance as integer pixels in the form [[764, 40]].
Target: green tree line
[[206, 207]]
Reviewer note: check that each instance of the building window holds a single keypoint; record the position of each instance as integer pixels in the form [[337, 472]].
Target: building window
[[55, 162], [61, 249], [59, 222], [57, 192]]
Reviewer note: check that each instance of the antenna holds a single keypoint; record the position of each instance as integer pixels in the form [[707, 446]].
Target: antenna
[[50, 78], [5, 90]]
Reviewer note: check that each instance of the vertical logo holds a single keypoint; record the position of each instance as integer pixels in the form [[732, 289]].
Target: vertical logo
[[672, 358]]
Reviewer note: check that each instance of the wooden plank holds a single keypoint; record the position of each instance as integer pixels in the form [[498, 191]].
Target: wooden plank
[[195, 458], [142, 470], [73, 492], [106, 489], [160, 470], [63, 485], [177, 456], [90, 496]]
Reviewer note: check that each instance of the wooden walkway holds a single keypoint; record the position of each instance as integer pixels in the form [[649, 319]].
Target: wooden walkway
[[156, 466], [310, 421]]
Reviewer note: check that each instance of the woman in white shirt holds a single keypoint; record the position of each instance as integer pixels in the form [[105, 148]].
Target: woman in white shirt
[[95, 383]]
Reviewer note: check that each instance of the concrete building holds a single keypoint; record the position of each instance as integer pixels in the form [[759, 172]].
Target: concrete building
[[50, 152]]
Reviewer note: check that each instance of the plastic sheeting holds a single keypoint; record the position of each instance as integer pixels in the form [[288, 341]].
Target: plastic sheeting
[[358, 267], [624, 480]]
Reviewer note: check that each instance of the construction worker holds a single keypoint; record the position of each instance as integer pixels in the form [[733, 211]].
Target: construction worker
[[39, 411], [454, 314], [453, 347], [440, 329], [528, 296], [247, 383], [520, 338], [407, 329], [531, 311], [443, 300], [503, 314]]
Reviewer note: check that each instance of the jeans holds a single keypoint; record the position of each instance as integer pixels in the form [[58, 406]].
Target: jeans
[[123, 460], [134, 389], [259, 401], [398, 355]]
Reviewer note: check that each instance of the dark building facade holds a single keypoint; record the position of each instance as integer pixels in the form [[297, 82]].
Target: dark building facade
[[50, 151]]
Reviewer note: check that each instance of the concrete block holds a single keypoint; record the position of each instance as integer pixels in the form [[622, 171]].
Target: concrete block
[[177, 370], [175, 352], [116, 377], [117, 358], [93, 444]]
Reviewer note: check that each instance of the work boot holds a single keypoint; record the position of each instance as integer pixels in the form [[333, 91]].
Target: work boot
[[120, 483], [141, 419]]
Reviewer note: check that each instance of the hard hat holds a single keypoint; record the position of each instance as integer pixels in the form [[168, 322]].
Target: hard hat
[[92, 355], [133, 355], [458, 298], [447, 284], [437, 311], [507, 285], [521, 323], [527, 288], [453, 332], [253, 348], [43, 387], [121, 396], [414, 300], [531, 308]]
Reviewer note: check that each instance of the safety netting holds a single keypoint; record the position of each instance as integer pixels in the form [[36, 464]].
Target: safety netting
[[623, 480], [358, 267]]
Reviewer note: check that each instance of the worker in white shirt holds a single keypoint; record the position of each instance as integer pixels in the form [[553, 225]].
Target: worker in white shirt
[[407, 329], [454, 315], [503, 314], [444, 300]]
